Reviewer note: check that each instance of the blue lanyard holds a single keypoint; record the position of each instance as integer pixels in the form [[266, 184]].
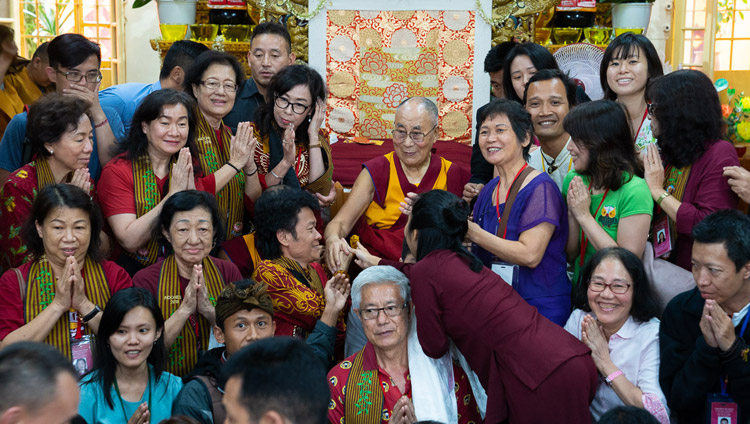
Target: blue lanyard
[[723, 381]]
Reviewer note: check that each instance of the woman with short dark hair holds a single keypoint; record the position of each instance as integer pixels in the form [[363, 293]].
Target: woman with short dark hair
[[608, 201], [189, 280], [687, 180], [128, 383], [213, 81], [616, 317], [59, 133], [61, 235], [532, 244]]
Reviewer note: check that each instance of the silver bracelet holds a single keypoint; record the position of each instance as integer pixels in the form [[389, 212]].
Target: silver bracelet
[[274, 174]]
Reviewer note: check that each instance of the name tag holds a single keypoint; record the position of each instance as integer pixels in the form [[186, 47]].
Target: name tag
[[508, 272]]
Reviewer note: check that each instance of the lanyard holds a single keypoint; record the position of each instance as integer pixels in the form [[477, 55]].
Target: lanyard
[[725, 380], [640, 127], [497, 195], [122, 402], [570, 163], [584, 240]]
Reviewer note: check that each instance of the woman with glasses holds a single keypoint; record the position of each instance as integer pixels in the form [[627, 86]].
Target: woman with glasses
[[60, 135], [616, 319], [213, 80], [689, 179], [157, 163], [293, 149], [528, 240]]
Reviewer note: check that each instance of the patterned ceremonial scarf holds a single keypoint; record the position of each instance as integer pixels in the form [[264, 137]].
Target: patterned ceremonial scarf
[[308, 277], [40, 291], [44, 175], [674, 182], [147, 196], [184, 353], [213, 155], [364, 396]]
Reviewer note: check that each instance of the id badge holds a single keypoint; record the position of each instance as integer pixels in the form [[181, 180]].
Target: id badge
[[508, 272], [721, 409], [82, 352], [661, 237]]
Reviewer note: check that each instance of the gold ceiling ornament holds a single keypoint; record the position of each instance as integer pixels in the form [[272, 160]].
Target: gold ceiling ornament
[[298, 8], [511, 19]]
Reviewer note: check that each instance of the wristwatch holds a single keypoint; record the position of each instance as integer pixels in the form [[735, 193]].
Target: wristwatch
[[88, 317]]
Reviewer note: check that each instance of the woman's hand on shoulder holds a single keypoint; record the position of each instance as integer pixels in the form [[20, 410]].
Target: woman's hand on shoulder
[[739, 181]]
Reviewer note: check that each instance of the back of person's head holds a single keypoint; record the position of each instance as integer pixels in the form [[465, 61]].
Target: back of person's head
[[50, 117], [281, 83], [540, 57], [601, 127], [277, 210], [70, 50], [644, 302], [627, 415], [440, 219], [729, 227], [41, 51], [283, 375], [495, 59], [243, 295], [687, 110], [550, 74], [185, 201], [181, 53], [122, 302], [152, 108], [273, 28], [380, 274], [519, 118], [29, 373], [194, 74], [48, 201], [623, 47]]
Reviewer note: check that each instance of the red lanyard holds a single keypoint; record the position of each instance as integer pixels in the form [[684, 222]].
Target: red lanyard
[[497, 196], [640, 127], [584, 240]]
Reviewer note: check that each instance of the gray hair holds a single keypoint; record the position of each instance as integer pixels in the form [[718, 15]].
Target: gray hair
[[381, 274], [426, 103]]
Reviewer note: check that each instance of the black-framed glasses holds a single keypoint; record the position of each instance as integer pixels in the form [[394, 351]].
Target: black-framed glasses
[[416, 136], [76, 76], [214, 85], [298, 108], [650, 107], [617, 287], [391, 311]]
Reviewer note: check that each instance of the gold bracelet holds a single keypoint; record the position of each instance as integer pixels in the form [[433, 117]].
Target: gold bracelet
[[314, 146], [662, 197]]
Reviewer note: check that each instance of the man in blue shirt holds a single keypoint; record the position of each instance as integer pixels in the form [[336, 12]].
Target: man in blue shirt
[[74, 68], [270, 52], [125, 98]]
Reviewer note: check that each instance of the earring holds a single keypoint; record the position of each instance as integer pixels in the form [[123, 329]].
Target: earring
[[154, 342], [51, 151], [309, 118]]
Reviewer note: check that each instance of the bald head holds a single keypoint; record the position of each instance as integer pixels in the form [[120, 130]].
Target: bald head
[[424, 105]]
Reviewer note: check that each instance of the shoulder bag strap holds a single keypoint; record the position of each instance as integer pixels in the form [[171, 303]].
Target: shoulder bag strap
[[514, 189]]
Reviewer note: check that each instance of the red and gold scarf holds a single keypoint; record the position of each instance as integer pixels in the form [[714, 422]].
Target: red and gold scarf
[[147, 196]]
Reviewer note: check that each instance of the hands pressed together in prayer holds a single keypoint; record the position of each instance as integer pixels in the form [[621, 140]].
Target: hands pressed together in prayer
[[242, 148], [716, 326], [196, 297], [653, 171], [403, 412], [592, 335], [579, 199], [182, 173], [336, 293], [82, 179]]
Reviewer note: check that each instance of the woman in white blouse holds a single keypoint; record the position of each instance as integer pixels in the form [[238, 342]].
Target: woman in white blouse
[[616, 318]]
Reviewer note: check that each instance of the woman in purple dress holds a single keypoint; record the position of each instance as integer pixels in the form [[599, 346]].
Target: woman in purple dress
[[532, 244]]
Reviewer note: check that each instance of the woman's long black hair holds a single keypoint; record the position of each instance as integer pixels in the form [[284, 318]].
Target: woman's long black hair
[[441, 221]]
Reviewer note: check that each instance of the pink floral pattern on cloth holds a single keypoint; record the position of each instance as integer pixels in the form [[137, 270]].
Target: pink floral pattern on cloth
[[375, 60], [653, 405]]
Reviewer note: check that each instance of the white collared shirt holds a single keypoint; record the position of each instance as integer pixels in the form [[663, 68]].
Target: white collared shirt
[[540, 160], [737, 318], [634, 349]]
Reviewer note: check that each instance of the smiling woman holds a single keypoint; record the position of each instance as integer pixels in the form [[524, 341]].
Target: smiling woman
[[37, 305], [128, 382], [187, 283], [60, 134]]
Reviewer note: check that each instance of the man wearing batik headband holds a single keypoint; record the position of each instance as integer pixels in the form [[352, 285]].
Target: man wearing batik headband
[[244, 314]]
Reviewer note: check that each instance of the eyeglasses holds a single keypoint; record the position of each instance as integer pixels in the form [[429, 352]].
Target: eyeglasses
[[416, 136], [391, 311], [214, 85], [650, 107], [75, 76], [297, 108], [616, 288]]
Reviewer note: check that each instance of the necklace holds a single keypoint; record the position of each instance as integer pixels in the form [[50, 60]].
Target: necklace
[[551, 166], [122, 401]]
